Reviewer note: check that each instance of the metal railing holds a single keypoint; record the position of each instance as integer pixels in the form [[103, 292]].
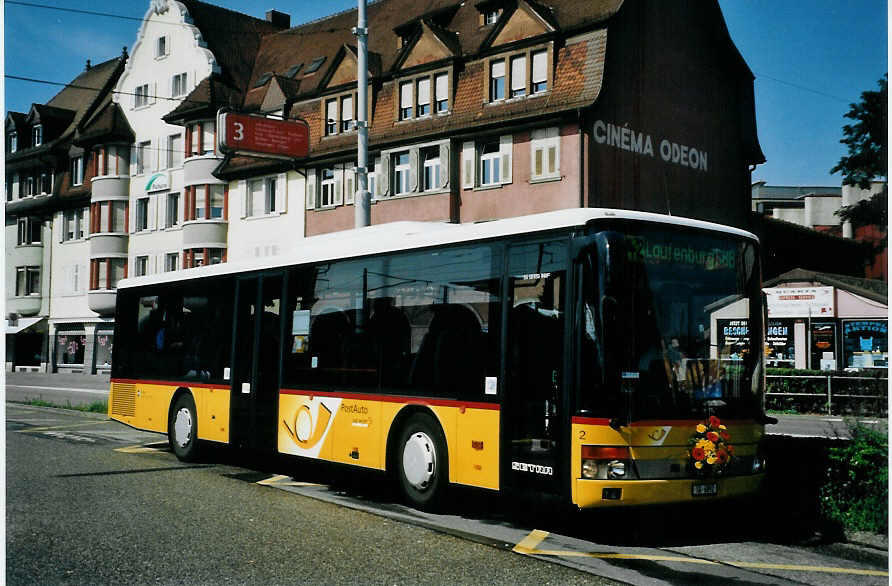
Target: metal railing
[[844, 399]]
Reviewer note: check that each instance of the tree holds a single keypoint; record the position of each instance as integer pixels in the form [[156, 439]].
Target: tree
[[866, 139]]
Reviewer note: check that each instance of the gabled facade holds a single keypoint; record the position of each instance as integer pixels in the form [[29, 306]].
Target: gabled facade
[[48, 191]]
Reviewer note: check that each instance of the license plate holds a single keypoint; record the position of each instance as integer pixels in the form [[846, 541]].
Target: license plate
[[705, 489]]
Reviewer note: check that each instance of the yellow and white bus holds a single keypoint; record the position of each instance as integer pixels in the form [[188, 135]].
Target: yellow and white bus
[[572, 353]]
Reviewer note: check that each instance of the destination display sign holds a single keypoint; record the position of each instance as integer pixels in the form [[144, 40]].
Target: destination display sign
[[248, 134]]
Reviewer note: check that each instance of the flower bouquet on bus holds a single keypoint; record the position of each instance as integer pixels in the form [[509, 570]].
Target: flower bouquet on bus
[[710, 451]]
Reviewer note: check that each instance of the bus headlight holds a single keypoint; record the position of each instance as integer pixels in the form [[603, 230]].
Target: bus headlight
[[606, 462]]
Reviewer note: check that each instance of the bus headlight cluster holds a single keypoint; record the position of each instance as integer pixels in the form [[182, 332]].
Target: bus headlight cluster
[[606, 462]]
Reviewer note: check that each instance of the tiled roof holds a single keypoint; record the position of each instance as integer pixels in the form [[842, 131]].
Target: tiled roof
[[873, 289], [108, 123]]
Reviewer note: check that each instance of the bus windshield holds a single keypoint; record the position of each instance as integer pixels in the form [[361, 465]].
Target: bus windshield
[[654, 300]]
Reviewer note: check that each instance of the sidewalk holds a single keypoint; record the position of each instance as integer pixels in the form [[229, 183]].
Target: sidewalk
[[88, 381]]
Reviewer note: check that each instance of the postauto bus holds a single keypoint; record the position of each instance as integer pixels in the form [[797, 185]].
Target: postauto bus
[[571, 354]]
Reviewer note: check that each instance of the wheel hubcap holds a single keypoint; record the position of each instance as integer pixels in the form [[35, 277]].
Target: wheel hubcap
[[419, 460], [182, 428]]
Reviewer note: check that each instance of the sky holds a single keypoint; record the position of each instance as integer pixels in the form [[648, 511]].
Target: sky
[[811, 59]]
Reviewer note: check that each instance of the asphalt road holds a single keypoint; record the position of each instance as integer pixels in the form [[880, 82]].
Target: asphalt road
[[90, 501]]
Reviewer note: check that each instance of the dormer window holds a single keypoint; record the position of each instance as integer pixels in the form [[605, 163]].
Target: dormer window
[[37, 135], [161, 47], [314, 65], [497, 80], [491, 15], [423, 96], [520, 74], [12, 142]]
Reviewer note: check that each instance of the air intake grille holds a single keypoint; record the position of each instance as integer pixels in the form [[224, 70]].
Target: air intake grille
[[123, 401]]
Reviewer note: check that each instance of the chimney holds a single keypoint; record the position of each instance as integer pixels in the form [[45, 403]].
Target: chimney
[[279, 19], [88, 65]]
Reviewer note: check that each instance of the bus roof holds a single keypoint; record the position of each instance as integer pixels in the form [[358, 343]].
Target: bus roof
[[405, 235]]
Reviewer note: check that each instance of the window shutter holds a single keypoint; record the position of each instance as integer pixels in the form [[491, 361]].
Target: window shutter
[[154, 89], [384, 176], [245, 187], [468, 164], [445, 167], [339, 186], [554, 151], [349, 184], [413, 170], [519, 73], [505, 147], [311, 189], [282, 193], [378, 172]]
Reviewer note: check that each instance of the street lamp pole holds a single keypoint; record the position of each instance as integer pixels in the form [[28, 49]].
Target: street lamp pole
[[361, 202]]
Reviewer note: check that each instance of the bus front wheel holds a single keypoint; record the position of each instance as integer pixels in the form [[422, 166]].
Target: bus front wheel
[[182, 429], [422, 462]]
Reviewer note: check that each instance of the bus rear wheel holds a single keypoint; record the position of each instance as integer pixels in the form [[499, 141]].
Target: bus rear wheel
[[182, 429], [422, 462]]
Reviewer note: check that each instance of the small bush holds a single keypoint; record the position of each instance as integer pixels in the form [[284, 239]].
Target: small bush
[[856, 491]]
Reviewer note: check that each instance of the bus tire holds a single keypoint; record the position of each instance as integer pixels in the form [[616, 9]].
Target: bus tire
[[422, 462], [182, 429]]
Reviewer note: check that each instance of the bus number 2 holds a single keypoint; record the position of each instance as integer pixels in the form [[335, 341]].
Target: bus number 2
[[582, 434]]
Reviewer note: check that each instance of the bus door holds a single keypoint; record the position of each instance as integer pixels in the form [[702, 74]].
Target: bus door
[[532, 430], [255, 359]]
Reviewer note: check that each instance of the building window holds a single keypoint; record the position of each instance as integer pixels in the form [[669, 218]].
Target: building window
[[29, 231], [28, 186], [423, 96], [141, 96], [327, 194], [331, 116], [217, 200], [401, 172], [201, 138], [141, 266], [262, 197], [545, 153], [518, 76], [161, 48], [142, 157], [405, 100], [108, 216], [198, 257], [489, 163], [11, 184], [77, 170], [27, 281], [142, 214], [346, 113], [178, 85], [371, 177], [491, 16], [73, 228], [432, 169], [12, 142], [497, 80], [46, 183], [172, 215], [106, 272], [37, 135], [441, 83], [113, 160], [540, 72], [171, 262], [174, 151]]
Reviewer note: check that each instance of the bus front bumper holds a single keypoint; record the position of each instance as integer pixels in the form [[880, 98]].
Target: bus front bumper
[[607, 493]]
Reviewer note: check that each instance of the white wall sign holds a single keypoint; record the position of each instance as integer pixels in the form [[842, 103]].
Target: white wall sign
[[800, 302], [642, 143]]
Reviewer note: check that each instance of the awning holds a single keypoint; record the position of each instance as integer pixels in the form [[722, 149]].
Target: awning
[[23, 324]]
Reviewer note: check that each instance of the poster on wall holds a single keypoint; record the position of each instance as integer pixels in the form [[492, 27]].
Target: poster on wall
[[823, 346], [866, 343], [734, 339]]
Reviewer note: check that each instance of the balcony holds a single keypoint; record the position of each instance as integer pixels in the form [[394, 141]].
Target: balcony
[[108, 187], [199, 170], [102, 301], [26, 255], [108, 244], [205, 234], [24, 306]]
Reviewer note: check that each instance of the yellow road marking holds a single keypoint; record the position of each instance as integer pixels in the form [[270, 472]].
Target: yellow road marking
[[524, 548], [68, 426], [138, 450], [281, 480], [528, 544]]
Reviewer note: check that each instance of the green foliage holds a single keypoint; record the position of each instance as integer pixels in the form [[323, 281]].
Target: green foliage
[[94, 407], [866, 139], [856, 491]]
